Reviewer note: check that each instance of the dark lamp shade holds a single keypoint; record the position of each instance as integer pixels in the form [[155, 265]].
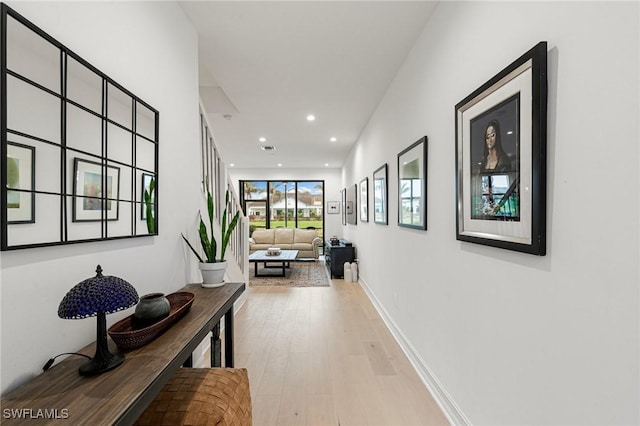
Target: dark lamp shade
[[99, 294]]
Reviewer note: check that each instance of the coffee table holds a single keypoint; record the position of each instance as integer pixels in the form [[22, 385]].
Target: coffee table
[[284, 260]]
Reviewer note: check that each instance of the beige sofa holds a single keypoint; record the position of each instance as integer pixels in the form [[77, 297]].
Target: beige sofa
[[306, 241]]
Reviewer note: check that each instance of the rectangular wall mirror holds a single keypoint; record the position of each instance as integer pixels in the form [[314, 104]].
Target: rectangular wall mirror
[[77, 148], [380, 195], [412, 186]]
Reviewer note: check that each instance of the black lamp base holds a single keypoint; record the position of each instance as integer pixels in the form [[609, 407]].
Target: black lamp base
[[103, 360], [98, 366]]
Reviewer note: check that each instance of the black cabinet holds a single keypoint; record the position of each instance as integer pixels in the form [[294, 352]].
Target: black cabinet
[[336, 255]]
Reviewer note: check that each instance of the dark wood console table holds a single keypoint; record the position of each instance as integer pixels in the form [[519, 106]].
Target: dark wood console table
[[119, 396], [336, 255]]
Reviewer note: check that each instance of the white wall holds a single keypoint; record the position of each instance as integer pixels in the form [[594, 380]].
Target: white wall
[[151, 49], [332, 187], [504, 337]]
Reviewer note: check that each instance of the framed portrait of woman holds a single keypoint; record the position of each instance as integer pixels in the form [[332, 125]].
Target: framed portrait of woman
[[501, 158]]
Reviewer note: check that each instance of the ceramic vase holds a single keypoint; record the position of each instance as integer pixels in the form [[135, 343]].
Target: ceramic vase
[[213, 274], [151, 308]]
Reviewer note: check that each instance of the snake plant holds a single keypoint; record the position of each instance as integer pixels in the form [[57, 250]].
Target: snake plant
[[209, 243]]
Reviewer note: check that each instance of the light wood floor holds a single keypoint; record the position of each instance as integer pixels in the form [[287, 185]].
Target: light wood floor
[[323, 356]]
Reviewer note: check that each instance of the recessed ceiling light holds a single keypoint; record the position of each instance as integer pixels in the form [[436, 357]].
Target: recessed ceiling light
[[262, 139], [279, 164], [231, 165], [326, 164], [333, 139], [311, 117]]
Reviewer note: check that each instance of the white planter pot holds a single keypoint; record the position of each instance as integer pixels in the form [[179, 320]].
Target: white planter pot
[[213, 274]]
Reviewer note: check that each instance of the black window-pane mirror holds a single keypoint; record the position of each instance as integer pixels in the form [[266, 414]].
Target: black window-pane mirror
[[78, 150]]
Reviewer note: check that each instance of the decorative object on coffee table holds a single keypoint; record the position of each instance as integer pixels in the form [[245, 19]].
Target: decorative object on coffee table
[[273, 251], [98, 296]]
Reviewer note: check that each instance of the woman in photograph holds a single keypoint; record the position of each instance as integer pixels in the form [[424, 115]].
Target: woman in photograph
[[494, 158]]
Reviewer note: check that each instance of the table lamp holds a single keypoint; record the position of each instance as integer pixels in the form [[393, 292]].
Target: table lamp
[[98, 296]]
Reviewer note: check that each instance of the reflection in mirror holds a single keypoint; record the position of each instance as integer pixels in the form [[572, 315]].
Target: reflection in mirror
[[84, 86], [119, 144], [119, 106], [380, 195], [72, 169], [94, 193], [145, 205], [20, 183], [84, 131], [144, 154], [412, 186], [29, 102], [32, 57], [145, 121], [46, 226]]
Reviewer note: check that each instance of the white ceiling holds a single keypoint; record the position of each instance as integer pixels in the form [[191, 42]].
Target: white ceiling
[[266, 65]]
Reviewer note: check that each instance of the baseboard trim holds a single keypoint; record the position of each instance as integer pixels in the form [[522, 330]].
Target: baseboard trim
[[448, 406]]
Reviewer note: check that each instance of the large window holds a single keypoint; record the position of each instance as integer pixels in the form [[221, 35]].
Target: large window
[[283, 204]]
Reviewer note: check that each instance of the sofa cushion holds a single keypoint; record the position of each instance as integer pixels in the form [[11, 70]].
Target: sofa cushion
[[283, 236], [263, 236], [305, 236]]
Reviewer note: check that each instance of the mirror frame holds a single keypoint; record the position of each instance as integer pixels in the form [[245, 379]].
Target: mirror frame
[[415, 152], [381, 191], [57, 226]]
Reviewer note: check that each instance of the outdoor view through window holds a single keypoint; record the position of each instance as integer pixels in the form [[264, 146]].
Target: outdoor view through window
[[283, 204]]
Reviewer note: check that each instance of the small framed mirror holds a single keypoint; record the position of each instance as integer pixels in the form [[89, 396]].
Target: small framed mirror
[[412, 185], [364, 200], [380, 196]]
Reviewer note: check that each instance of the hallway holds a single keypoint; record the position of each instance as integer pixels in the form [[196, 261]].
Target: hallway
[[323, 356]]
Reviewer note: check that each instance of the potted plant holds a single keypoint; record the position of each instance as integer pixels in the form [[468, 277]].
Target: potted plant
[[213, 268]]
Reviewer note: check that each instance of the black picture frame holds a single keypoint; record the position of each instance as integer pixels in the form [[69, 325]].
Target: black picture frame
[[501, 143], [352, 204], [412, 185], [343, 194], [333, 207], [21, 183], [90, 202], [381, 195], [364, 200]]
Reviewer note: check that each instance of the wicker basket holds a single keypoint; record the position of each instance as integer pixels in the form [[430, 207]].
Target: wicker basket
[[127, 337], [202, 396]]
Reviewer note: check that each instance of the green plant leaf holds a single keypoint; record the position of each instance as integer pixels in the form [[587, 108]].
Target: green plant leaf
[[192, 249], [149, 207], [206, 244], [209, 244], [226, 238]]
